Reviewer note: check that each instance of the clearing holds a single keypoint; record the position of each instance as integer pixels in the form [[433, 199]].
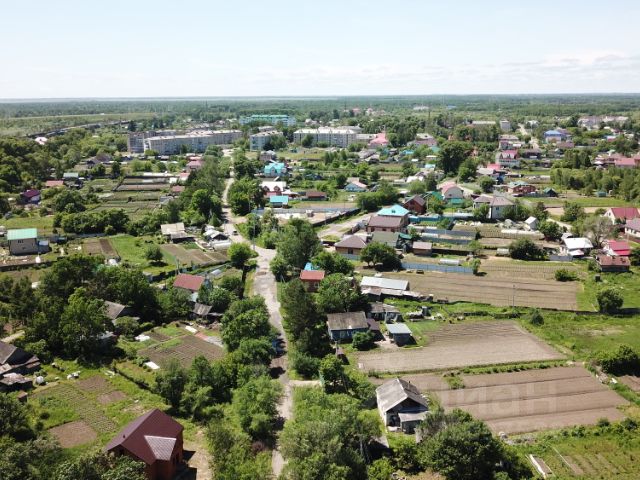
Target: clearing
[[73, 434], [462, 345], [193, 256], [185, 349]]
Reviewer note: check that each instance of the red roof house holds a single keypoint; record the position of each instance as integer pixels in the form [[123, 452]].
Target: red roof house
[[311, 279], [621, 214], [608, 263], [380, 140], [416, 204], [188, 282], [155, 439], [617, 247], [54, 183]]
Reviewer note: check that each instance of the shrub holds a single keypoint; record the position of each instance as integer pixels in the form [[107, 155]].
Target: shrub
[[622, 361], [363, 340], [536, 318], [565, 275], [609, 300], [525, 249], [305, 365]]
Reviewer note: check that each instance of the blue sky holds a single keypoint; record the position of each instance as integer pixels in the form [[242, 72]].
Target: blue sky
[[141, 48]]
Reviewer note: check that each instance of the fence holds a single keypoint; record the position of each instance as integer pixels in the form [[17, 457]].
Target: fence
[[451, 233], [432, 267]]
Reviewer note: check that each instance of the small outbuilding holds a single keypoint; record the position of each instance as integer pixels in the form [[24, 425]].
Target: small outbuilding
[[311, 279], [399, 333], [613, 263], [401, 405], [423, 248]]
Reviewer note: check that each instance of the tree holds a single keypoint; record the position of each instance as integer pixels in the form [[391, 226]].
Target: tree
[[332, 262], [14, 421], [486, 184], [245, 319], [451, 155], [239, 254], [516, 212], [467, 170], [481, 212], [307, 141], [153, 254], [525, 249], [101, 466], [380, 469], [634, 257], [363, 340], [332, 373], [255, 404], [597, 228], [82, 321], [550, 229], [170, 383], [298, 243], [29, 460], [610, 300], [572, 212], [377, 253], [622, 361], [337, 294], [174, 304], [218, 298]]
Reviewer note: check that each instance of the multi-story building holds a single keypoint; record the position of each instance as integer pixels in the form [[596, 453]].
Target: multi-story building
[[286, 120], [135, 142], [195, 142], [257, 141], [332, 136]]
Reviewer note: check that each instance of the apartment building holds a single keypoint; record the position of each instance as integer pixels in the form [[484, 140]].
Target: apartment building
[[286, 120], [257, 141], [135, 142], [195, 142], [332, 136]]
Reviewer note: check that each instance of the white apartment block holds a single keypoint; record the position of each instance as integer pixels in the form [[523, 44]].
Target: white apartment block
[[135, 142], [286, 120], [332, 136], [257, 141], [195, 142]]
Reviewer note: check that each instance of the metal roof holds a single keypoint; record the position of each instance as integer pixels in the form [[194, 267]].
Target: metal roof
[[398, 329], [396, 391], [22, 234], [390, 283]]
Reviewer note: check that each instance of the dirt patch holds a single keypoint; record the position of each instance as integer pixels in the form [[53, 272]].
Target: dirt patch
[[194, 256], [462, 345], [519, 290], [95, 384], [535, 400], [631, 381], [111, 397], [73, 434]]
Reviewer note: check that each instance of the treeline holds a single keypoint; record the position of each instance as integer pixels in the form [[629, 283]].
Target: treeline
[[623, 183]]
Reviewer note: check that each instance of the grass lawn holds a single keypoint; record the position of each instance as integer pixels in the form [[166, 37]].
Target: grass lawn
[[603, 202], [628, 284], [43, 224], [132, 250]]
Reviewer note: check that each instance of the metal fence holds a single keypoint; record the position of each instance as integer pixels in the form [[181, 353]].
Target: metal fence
[[432, 267]]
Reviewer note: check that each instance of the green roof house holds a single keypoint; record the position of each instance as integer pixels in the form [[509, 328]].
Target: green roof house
[[23, 241]]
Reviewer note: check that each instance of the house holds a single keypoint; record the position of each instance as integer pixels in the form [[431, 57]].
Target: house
[[71, 179], [380, 223], [343, 326], [54, 183], [188, 282], [617, 248], [155, 439], [355, 186], [311, 279], [351, 245], [399, 333], [423, 248], [202, 312], [482, 200], [385, 313], [23, 241], [577, 246], [550, 192], [315, 195], [610, 263], [625, 162], [521, 188], [279, 201], [114, 311], [632, 227], [16, 360], [416, 204], [275, 169], [394, 211], [388, 238], [12, 382], [621, 214], [401, 405], [552, 136], [380, 140], [508, 159], [275, 187], [194, 165], [175, 232], [497, 207], [451, 191], [30, 197]]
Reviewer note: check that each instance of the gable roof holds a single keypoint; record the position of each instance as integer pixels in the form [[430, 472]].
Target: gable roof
[[633, 224], [188, 282], [398, 329], [620, 247], [347, 321], [150, 437], [390, 283], [113, 310], [172, 228], [500, 202], [613, 261], [12, 356], [624, 213], [385, 222], [312, 275], [352, 241], [416, 199], [30, 193], [356, 183], [394, 211], [389, 238], [396, 391]]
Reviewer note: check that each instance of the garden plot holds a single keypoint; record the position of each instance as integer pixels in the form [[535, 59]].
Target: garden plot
[[518, 290], [184, 349], [508, 269], [193, 256], [535, 400], [73, 434], [462, 345]]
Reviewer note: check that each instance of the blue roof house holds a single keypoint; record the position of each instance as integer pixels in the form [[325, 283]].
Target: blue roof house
[[276, 169], [394, 211], [279, 201]]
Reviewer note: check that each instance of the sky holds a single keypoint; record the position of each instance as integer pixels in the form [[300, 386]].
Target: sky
[[141, 48]]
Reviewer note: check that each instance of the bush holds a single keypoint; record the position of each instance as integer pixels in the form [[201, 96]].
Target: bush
[[622, 361], [536, 318], [363, 340], [525, 249], [565, 275], [305, 365], [609, 300]]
